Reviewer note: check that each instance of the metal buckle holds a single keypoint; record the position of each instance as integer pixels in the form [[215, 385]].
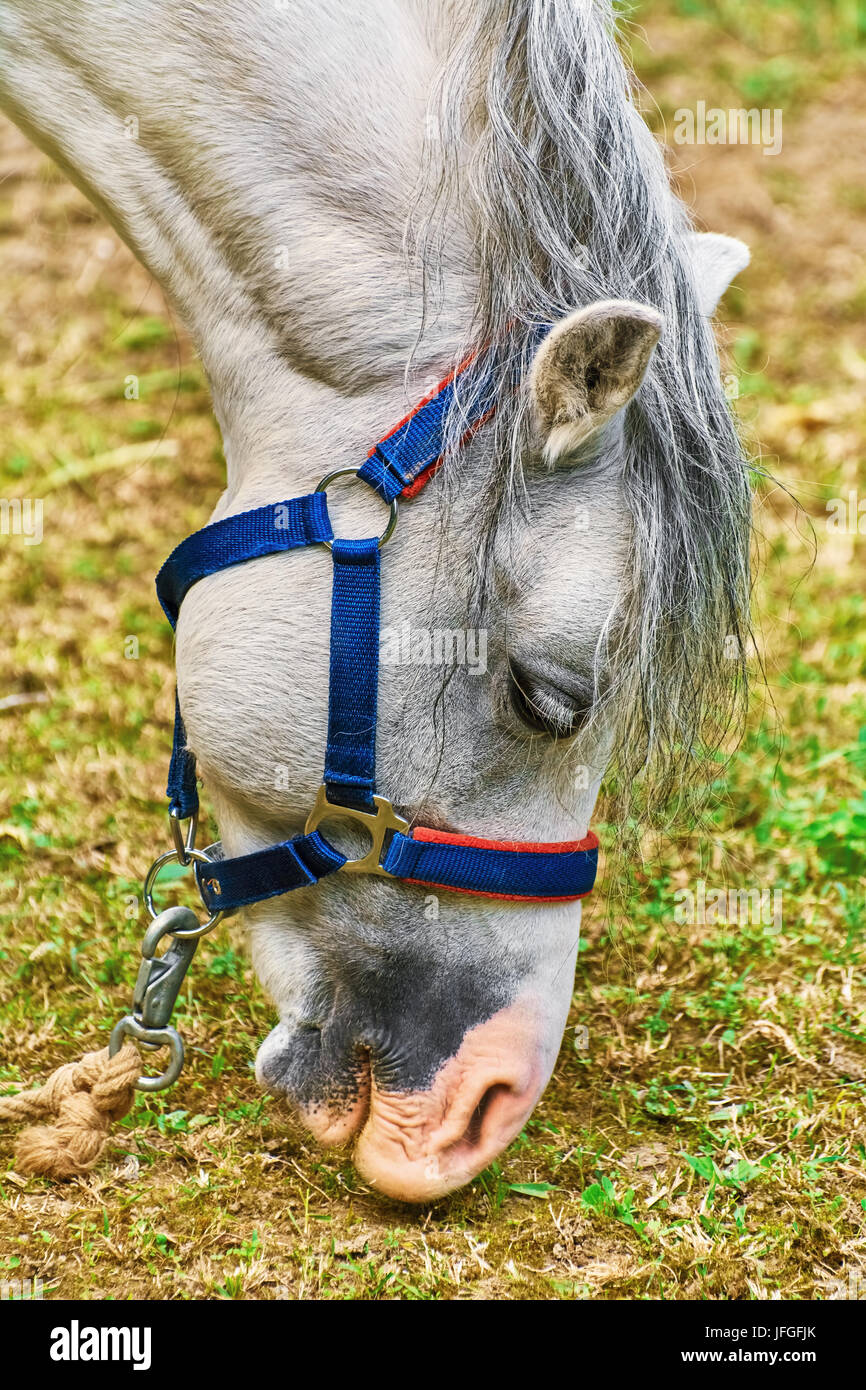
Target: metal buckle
[[393, 513], [377, 822]]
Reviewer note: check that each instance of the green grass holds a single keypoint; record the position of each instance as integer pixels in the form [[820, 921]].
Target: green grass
[[703, 1135]]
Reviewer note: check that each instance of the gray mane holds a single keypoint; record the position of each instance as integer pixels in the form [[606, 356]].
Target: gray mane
[[542, 146]]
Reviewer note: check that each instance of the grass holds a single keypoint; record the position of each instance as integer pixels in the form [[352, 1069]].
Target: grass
[[703, 1135]]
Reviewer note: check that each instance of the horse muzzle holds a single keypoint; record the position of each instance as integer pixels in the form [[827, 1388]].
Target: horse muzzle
[[416, 1142]]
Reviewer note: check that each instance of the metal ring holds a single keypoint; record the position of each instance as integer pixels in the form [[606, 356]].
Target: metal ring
[[131, 1027], [394, 508], [172, 856]]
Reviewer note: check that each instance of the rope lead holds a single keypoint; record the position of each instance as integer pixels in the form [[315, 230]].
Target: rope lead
[[84, 1099]]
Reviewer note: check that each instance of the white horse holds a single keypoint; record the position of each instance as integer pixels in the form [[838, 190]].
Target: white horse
[[265, 159]]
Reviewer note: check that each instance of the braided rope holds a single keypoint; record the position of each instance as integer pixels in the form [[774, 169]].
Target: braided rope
[[84, 1098]]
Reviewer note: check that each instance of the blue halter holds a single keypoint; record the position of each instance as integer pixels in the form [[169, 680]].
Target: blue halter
[[397, 467]]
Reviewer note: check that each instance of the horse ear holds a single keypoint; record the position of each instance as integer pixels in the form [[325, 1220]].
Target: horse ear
[[716, 259], [588, 367]]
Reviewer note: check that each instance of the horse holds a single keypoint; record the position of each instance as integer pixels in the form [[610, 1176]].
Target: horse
[[344, 203]]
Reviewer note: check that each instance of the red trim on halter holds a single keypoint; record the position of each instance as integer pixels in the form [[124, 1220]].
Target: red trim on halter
[[444, 837]]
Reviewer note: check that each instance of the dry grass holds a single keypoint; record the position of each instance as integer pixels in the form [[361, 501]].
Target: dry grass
[[707, 1141]]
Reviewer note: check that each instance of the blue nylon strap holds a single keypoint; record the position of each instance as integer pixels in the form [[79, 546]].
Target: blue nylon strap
[[227, 884], [263, 531], [376, 472], [509, 873], [181, 788], [417, 443], [350, 757], [413, 446]]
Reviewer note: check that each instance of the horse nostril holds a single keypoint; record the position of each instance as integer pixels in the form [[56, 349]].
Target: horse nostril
[[475, 1128], [418, 1145]]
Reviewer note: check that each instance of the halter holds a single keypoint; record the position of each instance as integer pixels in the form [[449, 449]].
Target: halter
[[397, 467]]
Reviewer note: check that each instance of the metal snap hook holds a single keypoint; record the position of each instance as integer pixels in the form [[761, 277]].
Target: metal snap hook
[[392, 515], [159, 982], [183, 846]]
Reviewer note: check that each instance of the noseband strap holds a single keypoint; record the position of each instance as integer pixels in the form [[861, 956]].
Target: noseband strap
[[508, 869], [397, 467]]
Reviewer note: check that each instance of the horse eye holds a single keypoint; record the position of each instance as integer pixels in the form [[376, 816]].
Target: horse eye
[[546, 707]]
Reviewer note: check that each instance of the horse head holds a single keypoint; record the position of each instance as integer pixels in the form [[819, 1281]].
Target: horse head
[[558, 596]]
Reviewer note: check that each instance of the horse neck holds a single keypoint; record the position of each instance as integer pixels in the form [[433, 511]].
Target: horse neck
[[266, 184]]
